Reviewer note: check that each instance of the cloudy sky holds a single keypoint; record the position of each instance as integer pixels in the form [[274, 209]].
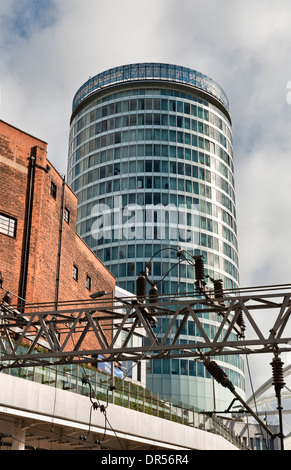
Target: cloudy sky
[[50, 47]]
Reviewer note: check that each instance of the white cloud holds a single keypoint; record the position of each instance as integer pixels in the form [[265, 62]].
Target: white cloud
[[264, 216], [43, 68]]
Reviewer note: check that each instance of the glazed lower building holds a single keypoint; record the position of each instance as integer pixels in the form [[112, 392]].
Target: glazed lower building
[[150, 159]]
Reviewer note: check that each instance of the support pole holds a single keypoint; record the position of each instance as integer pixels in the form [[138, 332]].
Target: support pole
[[278, 382], [18, 440]]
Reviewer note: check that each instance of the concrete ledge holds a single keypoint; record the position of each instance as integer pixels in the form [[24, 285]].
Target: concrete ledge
[[23, 399]]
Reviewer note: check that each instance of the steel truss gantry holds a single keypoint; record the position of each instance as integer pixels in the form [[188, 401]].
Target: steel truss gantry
[[251, 321]]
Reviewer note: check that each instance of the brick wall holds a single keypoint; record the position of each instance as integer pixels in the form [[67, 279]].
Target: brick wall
[[15, 150], [54, 248]]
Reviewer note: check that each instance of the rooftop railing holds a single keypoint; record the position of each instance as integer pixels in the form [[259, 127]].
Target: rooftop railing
[[150, 71]]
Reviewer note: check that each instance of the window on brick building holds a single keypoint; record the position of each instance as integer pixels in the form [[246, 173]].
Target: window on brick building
[[75, 272], [8, 225], [53, 190], [67, 215], [88, 282]]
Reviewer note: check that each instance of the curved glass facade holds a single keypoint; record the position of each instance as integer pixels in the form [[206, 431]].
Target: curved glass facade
[[150, 159]]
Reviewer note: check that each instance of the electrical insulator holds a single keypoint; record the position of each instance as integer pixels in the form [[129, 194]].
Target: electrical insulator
[[153, 296], [217, 373], [141, 287], [218, 288], [278, 373], [199, 269], [241, 323]]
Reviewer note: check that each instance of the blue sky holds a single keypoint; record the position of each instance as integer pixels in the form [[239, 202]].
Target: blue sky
[[50, 47], [28, 17], [21, 20]]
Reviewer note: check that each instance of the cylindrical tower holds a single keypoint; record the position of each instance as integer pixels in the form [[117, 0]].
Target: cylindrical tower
[[150, 159]]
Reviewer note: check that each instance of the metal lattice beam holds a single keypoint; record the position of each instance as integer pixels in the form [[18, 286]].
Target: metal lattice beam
[[62, 333]]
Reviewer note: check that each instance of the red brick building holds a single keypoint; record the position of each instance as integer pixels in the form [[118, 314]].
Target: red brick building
[[42, 259]]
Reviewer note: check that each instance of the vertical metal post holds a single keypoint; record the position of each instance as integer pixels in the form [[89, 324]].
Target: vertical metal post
[[278, 382], [280, 408]]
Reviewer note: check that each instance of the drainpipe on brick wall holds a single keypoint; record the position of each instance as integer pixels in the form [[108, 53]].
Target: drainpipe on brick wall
[[27, 226], [27, 229], [60, 244]]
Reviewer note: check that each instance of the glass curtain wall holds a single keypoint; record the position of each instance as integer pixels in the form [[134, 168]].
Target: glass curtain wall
[[152, 166]]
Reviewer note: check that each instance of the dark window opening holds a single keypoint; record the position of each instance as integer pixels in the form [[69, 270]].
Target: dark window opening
[[75, 272], [53, 190], [67, 215], [88, 282]]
